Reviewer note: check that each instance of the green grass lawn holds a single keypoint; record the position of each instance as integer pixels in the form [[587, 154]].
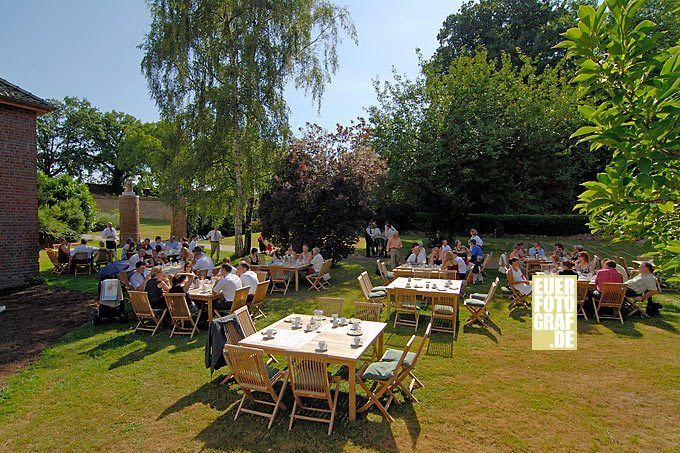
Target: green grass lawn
[[106, 388]]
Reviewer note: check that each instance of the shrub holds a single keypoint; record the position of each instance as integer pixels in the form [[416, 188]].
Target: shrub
[[50, 228], [70, 203], [103, 218], [543, 225]]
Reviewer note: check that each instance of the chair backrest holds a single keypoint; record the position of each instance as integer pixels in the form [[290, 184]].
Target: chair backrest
[[403, 296], [277, 274], [122, 276], [331, 305], [309, 375], [503, 260], [261, 276], [422, 273], [382, 270], [248, 367], [102, 256], [595, 264], [261, 292], [399, 369], [240, 299], [245, 321], [81, 256], [367, 311], [325, 268], [492, 291], [367, 281], [362, 284], [421, 346], [139, 300], [177, 306], [612, 295], [487, 260], [582, 291], [53, 256]]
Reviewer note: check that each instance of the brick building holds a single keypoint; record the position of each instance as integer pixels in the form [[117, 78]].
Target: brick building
[[18, 184]]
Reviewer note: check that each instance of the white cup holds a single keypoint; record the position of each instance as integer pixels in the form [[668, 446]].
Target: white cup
[[334, 316], [322, 345], [357, 341], [343, 320], [269, 332]]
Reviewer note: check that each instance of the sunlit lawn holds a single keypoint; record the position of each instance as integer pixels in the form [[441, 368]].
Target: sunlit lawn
[[105, 388]]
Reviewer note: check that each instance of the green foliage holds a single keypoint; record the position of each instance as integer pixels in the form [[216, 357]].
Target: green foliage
[[636, 120], [321, 193], [102, 218], [65, 208], [537, 224]]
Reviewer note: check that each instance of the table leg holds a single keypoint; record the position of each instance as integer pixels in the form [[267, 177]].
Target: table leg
[[388, 304], [210, 309], [380, 345], [455, 318], [297, 277], [352, 392]]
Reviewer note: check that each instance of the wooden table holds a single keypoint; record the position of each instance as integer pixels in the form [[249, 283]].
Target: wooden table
[[419, 286], [205, 296], [295, 268], [406, 270], [339, 352], [534, 265]]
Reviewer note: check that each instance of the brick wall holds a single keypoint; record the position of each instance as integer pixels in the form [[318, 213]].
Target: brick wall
[[149, 207], [19, 200]]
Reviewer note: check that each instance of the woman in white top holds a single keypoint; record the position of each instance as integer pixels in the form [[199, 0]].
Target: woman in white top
[[475, 236], [517, 279]]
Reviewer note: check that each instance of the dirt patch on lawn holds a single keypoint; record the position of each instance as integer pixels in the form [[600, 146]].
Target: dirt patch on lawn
[[35, 318]]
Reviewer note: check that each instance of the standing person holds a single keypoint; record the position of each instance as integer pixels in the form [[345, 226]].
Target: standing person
[[214, 237], [110, 238], [394, 245], [262, 243], [378, 241], [475, 236], [369, 240]]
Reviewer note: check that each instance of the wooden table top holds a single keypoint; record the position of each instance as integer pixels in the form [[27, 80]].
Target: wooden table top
[[419, 284], [338, 342], [289, 265]]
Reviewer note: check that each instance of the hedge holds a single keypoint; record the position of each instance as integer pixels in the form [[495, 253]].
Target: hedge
[[530, 224]]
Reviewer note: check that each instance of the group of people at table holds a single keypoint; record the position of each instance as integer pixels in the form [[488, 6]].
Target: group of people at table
[[579, 263]]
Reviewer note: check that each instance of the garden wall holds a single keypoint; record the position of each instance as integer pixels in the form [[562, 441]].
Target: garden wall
[[149, 207]]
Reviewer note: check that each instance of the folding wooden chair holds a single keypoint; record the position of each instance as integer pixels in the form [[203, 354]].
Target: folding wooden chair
[[384, 374], [444, 308], [123, 278], [240, 299], [409, 364], [148, 317], [180, 314], [58, 268], [386, 276], [253, 375], [331, 305], [279, 279], [81, 262], [101, 260], [309, 378], [633, 303], [581, 296], [479, 308], [367, 289], [611, 298], [367, 311], [405, 304], [316, 279], [517, 298], [262, 276], [258, 300]]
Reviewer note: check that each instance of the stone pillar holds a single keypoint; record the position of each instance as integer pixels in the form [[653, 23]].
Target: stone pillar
[[178, 219], [128, 205]]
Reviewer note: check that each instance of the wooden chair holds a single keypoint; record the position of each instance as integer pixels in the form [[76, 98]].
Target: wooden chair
[[384, 374], [409, 364], [487, 260], [367, 311], [235, 335], [258, 300], [517, 298], [180, 314], [215, 271], [280, 280], [122, 276], [611, 298], [58, 268], [444, 308], [376, 296], [479, 308], [101, 260], [148, 317], [331, 305], [262, 276], [190, 280], [81, 261], [386, 276], [316, 279], [240, 299], [308, 373], [633, 303], [581, 296], [254, 376], [405, 304]]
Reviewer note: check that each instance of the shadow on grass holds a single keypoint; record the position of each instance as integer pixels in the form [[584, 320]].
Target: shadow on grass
[[521, 314], [213, 394], [478, 329]]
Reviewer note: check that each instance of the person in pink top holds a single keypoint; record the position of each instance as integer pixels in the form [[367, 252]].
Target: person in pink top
[[608, 274]]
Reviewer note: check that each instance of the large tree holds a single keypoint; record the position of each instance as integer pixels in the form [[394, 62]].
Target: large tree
[[218, 69]]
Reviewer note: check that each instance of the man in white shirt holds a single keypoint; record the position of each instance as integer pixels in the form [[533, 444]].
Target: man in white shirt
[[248, 278], [110, 237], [82, 248], [227, 286], [134, 259], [158, 242], [417, 256], [389, 231], [203, 263], [214, 237], [138, 277], [537, 250], [377, 239], [193, 242]]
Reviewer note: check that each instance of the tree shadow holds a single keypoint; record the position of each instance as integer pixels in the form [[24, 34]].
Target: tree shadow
[[213, 394], [440, 344]]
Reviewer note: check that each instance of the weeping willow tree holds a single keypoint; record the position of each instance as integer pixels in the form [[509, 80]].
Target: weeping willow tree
[[218, 69]]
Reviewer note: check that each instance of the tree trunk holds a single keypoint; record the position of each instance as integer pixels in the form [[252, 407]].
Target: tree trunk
[[117, 180], [249, 225], [238, 211]]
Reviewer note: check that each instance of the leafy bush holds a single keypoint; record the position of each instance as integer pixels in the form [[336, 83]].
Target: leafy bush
[[50, 228], [201, 224], [544, 225], [103, 218]]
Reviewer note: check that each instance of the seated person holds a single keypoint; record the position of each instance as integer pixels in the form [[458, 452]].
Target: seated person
[[180, 286], [537, 250], [102, 253], [254, 257], [559, 250], [222, 272], [172, 244], [203, 265], [516, 279], [290, 254], [138, 277], [582, 265], [417, 256], [608, 274], [226, 286], [462, 266], [132, 262], [449, 263], [129, 249], [188, 268], [154, 259], [643, 285], [145, 245], [433, 258], [516, 252], [193, 242], [475, 251], [555, 264], [577, 249], [82, 248], [460, 248], [156, 283], [158, 242], [248, 278], [63, 252], [567, 268], [306, 255], [185, 254], [445, 248]]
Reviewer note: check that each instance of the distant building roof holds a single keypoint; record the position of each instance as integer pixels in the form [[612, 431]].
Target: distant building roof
[[11, 94]]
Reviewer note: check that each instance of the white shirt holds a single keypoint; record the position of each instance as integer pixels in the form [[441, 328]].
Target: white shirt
[[82, 248], [462, 267], [155, 244], [536, 251], [421, 258], [376, 233], [317, 261], [445, 248], [134, 259], [136, 279], [109, 234], [389, 232], [227, 285], [204, 263], [478, 240], [214, 236], [192, 245], [249, 278]]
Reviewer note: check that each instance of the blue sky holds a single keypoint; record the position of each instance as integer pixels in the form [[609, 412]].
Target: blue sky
[[88, 48]]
